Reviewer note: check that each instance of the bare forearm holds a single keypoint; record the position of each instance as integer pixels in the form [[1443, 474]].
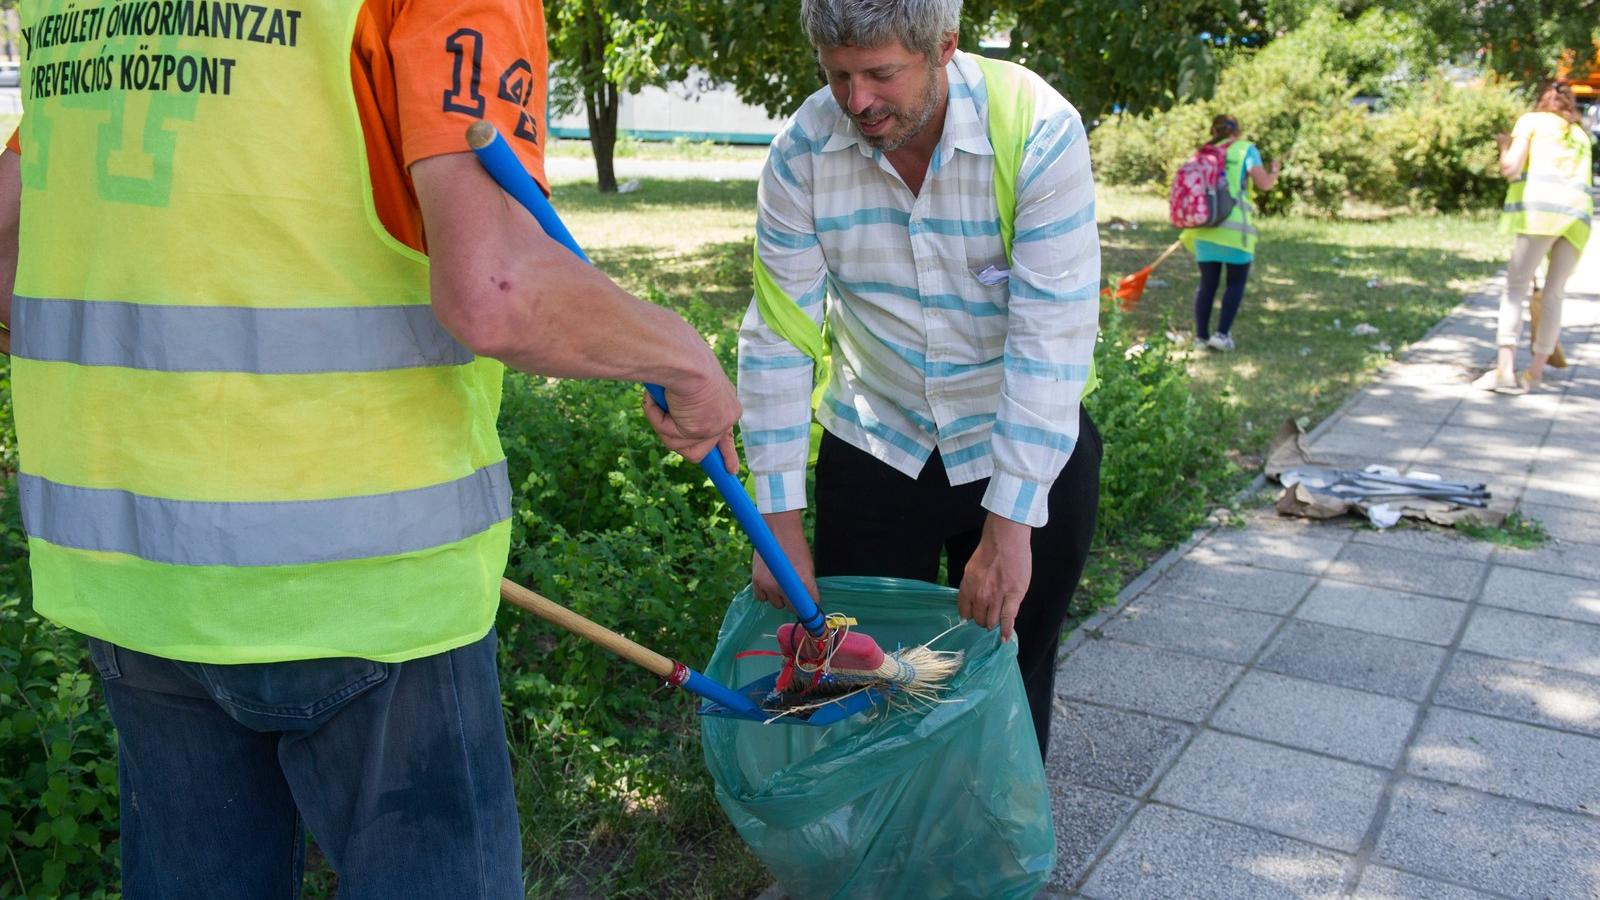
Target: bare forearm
[[508, 291], [10, 214]]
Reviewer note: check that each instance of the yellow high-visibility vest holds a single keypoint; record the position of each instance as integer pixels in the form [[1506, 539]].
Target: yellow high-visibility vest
[[1552, 197], [243, 434], [1238, 230]]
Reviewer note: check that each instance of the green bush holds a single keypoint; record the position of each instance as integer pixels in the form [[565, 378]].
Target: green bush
[[1163, 467], [1431, 145], [58, 757], [1437, 146]]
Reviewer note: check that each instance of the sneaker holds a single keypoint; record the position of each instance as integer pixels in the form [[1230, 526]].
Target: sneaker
[[1201, 343], [1221, 341], [1528, 383], [1494, 380]]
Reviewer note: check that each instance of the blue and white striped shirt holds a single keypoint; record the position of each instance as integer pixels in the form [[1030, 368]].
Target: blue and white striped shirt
[[926, 353]]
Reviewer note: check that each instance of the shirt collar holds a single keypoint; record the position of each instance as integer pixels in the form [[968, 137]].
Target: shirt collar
[[964, 128]]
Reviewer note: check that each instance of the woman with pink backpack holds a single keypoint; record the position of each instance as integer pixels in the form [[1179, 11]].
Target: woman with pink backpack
[[1211, 201]]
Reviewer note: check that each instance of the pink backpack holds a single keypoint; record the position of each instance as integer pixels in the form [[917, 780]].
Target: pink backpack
[[1200, 197]]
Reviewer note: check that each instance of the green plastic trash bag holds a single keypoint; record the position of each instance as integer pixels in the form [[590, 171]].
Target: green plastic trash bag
[[915, 800]]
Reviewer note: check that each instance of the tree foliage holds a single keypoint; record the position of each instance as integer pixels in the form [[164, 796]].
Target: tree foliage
[[1525, 39], [604, 49]]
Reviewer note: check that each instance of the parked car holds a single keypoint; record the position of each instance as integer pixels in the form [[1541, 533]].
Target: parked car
[[10, 74]]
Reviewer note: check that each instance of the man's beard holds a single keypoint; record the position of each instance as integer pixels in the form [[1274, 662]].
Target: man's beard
[[911, 124]]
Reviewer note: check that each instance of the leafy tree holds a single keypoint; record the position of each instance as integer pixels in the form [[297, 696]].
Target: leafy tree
[[1524, 39], [603, 49], [1129, 54]]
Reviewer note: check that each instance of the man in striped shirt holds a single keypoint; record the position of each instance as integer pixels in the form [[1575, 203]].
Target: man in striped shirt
[[952, 410]]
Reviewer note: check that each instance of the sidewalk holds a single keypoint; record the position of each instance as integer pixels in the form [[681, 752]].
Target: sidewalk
[[1299, 709]]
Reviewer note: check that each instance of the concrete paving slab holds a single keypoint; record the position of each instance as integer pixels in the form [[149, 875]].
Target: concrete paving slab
[[1536, 639], [1414, 538], [1402, 410], [1138, 678], [1169, 853], [1510, 759], [1477, 448], [1269, 549], [1390, 446], [1543, 593], [1084, 819], [1379, 883], [1301, 795], [1350, 724], [1546, 492], [1109, 749], [1522, 691], [1578, 525], [1579, 480], [1408, 571], [1360, 607], [1491, 843], [1503, 418], [1205, 629], [1247, 587], [1560, 557], [1352, 659]]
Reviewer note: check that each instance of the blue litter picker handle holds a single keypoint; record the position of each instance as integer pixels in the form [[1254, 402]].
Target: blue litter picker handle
[[503, 166]]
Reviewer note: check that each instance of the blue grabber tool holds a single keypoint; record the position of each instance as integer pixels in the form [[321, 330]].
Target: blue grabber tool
[[503, 166]]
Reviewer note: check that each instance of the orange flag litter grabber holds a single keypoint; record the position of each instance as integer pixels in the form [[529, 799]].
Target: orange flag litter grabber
[[1131, 288]]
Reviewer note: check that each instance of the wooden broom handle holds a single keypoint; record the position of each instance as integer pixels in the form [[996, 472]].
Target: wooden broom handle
[[1166, 253], [550, 611], [5, 341]]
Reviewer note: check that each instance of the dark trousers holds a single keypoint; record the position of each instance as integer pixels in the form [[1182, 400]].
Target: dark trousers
[[400, 770], [1206, 294], [873, 520]]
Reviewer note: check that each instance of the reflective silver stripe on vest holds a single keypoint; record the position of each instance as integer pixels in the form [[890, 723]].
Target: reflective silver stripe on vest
[[232, 339], [1546, 178], [281, 533], [1571, 212]]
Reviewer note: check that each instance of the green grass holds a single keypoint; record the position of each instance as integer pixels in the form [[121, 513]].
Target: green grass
[[675, 149], [1516, 531], [1308, 288]]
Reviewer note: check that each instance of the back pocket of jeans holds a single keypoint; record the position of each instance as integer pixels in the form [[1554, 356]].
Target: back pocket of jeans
[[300, 690]]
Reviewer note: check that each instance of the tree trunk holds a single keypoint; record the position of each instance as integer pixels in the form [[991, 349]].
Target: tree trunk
[[599, 101], [602, 109]]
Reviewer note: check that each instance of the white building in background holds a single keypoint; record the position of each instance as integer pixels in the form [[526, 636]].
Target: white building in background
[[692, 109]]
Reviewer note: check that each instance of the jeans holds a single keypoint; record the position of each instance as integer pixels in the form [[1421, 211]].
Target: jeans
[[1206, 294], [873, 520], [400, 771]]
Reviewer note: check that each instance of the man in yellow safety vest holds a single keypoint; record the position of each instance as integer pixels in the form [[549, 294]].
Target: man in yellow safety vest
[[260, 317]]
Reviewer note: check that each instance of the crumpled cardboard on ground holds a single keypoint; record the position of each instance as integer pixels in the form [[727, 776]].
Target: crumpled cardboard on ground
[[1289, 452]]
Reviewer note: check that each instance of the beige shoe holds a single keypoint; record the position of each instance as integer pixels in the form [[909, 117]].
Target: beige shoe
[[1493, 380], [1528, 383]]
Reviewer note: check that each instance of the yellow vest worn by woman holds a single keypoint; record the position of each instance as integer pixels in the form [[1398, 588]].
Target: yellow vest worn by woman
[[1238, 230], [243, 435], [1552, 195]]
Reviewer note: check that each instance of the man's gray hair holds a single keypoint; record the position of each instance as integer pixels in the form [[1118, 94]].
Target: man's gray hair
[[919, 25]]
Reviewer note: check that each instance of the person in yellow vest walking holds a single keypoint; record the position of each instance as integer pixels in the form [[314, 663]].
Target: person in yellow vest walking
[[1230, 246], [1548, 207], [940, 207], [261, 304]]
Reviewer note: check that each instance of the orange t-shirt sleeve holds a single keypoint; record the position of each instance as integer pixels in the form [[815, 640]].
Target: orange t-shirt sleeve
[[15, 143], [457, 61], [423, 70]]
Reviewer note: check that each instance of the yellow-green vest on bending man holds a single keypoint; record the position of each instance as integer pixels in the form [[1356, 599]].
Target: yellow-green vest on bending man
[[1552, 195], [1238, 231], [1010, 116], [243, 435]]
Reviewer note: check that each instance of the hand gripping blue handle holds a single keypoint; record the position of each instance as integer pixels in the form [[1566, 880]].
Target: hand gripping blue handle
[[503, 166]]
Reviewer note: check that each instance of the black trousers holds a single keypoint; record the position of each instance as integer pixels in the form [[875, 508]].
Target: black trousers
[[1206, 294], [873, 520]]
